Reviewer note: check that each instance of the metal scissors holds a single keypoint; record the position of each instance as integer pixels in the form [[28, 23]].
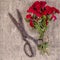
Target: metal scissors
[[25, 35]]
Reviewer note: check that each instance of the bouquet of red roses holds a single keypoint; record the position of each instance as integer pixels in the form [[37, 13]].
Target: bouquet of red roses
[[39, 15]]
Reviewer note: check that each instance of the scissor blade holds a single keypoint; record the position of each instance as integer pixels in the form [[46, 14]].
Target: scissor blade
[[20, 17], [18, 25], [13, 20]]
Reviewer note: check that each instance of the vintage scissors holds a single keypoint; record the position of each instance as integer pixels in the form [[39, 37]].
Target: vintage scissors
[[20, 27]]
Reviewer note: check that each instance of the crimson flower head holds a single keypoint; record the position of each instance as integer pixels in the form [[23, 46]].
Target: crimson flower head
[[55, 10], [53, 17], [50, 10], [36, 8], [39, 15], [40, 9], [31, 23], [47, 10], [28, 16]]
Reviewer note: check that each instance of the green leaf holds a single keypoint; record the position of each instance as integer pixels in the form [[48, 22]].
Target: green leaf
[[39, 29], [27, 20], [34, 16], [41, 35], [43, 47], [49, 17], [44, 24], [44, 17], [40, 20]]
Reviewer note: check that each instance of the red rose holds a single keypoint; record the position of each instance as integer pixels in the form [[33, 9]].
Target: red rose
[[42, 3], [53, 17], [55, 10], [45, 12], [36, 8], [31, 23], [34, 11], [48, 10], [33, 8], [38, 5], [38, 14], [28, 16]]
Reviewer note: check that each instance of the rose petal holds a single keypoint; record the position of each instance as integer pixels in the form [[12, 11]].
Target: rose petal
[[46, 22], [28, 16], [31, 23], [53, 17], [56, 10]]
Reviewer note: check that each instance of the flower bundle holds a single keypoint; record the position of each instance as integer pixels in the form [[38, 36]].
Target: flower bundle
[[39, 15]]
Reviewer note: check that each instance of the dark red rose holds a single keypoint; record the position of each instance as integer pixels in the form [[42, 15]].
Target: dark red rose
[[31, 23]]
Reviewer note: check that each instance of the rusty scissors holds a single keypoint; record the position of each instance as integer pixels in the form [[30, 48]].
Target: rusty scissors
[[25, 35]]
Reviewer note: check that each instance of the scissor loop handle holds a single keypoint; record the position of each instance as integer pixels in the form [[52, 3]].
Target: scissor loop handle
[[31, 54]]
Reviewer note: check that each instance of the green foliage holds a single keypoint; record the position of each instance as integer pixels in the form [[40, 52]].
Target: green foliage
[[34, 16], [43, 47], [27, 20], [37, 26], [41, 26], [49, 17]]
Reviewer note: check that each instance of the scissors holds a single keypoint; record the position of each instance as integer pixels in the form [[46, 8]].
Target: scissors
[[25, 35]]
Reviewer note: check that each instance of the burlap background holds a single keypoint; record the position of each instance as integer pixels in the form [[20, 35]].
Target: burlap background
[[11, 43]]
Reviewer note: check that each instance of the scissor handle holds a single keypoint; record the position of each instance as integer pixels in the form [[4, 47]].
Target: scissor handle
[[30, 49]]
